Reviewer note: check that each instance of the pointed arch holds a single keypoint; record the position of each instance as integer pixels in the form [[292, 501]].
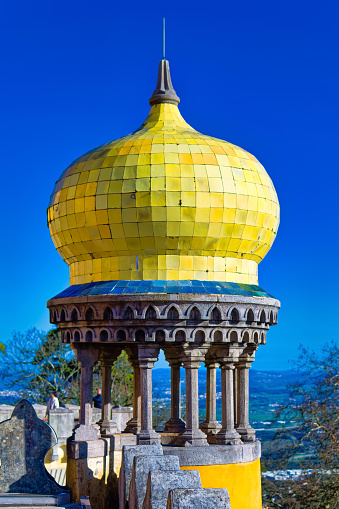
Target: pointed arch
[[195, 315], [108, 314], [173, 313], [250, 316], [74, 315], [76, 336], [128, 313], [62, 316], [216, 315], [89, 315], [262, 316], [150, 313], [234, 316]]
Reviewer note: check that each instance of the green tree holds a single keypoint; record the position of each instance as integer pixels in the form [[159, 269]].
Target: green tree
[[314, 405], [122, 381], [37, 363]]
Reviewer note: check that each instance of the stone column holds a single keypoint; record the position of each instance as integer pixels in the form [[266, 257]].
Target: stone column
[[107, 426], [192, 359], [147, 356], [210, 426], [134, 424], [87, 358], [235, 390], [174, 424], [228, 435], [243, 427]]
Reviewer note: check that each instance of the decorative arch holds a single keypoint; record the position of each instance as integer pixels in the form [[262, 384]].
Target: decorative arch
[[140, 335], [150, 313], [121, 335], [160, 336], [77, 336], [216, 315], [195, 314], [108, 314], [234, 315], [75, 315], [255, 337], [263, 338], [233, 336], [63, 315], [262, 318], [199, 336], [128, 312], [89, 315], [89, 335], [271, 321], [180, 335], [173, 313], [217, 336], [68, 337], [104, 335], [245, 336], [250, 316]]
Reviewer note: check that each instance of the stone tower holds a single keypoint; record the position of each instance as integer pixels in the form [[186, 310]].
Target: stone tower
[[163, 231]]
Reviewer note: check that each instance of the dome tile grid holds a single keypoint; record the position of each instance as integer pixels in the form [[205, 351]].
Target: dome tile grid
[[168, 287], [165, 202]]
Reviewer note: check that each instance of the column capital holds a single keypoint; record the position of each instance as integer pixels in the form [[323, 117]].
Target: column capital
[[193, 356], [148, 354], [173, 355], [87, 355]]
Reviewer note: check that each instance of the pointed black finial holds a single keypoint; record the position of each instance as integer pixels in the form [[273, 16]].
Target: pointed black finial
[[164, 92]]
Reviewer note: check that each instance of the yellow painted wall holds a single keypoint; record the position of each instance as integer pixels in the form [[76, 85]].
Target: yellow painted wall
[[242, 480]]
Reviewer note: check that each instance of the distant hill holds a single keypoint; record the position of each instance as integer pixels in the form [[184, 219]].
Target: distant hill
[[267, 393]]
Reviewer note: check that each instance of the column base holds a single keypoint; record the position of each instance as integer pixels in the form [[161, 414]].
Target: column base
[[133, 426], [108, 427], [148, 437], [174, 425], [210, 427], [193, 437], [84, 432], [247, 433], [228, 437]]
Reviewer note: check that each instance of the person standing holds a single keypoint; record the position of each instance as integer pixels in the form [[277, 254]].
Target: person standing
[[97, 400], [53, 402]]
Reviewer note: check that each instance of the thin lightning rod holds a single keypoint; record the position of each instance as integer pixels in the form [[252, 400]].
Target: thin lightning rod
[[163, 38]]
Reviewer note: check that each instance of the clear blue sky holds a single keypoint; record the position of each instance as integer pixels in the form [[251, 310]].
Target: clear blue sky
[[263, 75]]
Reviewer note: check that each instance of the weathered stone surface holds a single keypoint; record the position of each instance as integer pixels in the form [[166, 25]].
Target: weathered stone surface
[[160, 482], [206, 498], [128, 453], [62, 421], [24, 500], [142, 465], [24, 443], [215, 454], [121, 415]]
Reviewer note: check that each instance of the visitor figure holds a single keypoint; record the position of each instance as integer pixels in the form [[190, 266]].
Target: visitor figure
[[97, 399], [53, 402]]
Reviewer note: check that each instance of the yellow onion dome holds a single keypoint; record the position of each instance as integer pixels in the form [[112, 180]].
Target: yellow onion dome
[[164, 203]]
